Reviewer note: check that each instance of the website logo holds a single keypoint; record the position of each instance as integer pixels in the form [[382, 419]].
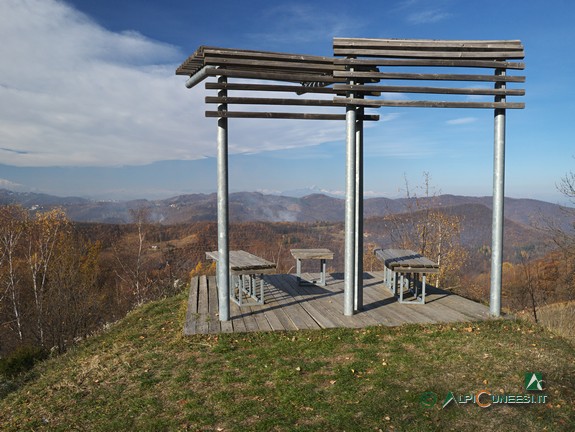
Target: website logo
[[534, 381], [485, 398]]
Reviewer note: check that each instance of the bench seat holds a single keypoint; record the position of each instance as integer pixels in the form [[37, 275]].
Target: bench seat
[[406, 269]]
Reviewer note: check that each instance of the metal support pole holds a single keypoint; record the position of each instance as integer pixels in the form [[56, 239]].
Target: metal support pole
[[358, 277], [350, 200], [498, 200], [223, 219]]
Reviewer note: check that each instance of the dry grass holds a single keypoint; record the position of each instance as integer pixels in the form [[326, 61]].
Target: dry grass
[[559, 318], [142, 374]]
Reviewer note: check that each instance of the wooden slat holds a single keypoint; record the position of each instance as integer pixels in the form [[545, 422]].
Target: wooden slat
[[429, 54], [434, 104], [421, 48], [296, 312], [213, 321], [429, 77], [269, 55], [312, 253], [271, 75], [242, 262], [430, 90], [406, 261], [274, 65], [268, 87], [455, 63], [203, 306], [271, 101], [307, 302], [278, 115], [192, 310], [280, 301], [250, 322], [429, 43]]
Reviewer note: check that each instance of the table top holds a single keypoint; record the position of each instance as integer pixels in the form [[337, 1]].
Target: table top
[[311, 253], [244, 262], [406, 259]]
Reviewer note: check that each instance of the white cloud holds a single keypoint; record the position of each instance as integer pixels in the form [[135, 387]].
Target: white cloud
[[427, 16], [461, 121], [13, 186], [76, 94]]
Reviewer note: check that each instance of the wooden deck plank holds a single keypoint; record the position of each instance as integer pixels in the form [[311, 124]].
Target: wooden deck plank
[[290, 306], [192, 311], [258, 313], [326, 301], [203, 306], [275, 308], [213, 316], [296, 312], [224, 326], [308, 302], [335, 304]]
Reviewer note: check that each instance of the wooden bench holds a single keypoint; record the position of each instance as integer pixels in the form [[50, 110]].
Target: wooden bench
[[314, 254], [245, 268], [403, 269]]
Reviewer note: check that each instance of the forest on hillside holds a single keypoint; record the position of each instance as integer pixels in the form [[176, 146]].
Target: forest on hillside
[[61, 280]]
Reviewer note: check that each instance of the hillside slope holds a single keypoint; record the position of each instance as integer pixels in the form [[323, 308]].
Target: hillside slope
[[142, 374]]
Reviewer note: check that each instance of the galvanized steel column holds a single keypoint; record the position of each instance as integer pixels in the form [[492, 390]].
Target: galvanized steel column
[[358, 276], [350, 200], [498, 204], [223, 219]]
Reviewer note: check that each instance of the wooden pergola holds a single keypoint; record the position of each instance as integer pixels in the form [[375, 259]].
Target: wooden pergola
[[362, 73]]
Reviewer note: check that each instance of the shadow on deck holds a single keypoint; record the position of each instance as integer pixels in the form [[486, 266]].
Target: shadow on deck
[[292, 307]]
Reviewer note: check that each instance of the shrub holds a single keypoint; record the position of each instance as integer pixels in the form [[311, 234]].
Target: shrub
[[21, 360]]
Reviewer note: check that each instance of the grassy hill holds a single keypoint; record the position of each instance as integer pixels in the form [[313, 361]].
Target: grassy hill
[[142, 374]]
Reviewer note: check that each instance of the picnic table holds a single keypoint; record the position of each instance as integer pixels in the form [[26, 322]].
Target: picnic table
[[245, 269], [406, 269], [313, 254]]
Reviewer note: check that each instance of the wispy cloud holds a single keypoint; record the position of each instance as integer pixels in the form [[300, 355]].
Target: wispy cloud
[[427, 16], [461, 121], [305, 23]]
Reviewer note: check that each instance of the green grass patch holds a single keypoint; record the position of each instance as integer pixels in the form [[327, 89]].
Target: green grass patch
[[142, 374]]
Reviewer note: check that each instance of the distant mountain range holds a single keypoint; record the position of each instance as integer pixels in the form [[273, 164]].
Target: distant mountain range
[[255, 206]]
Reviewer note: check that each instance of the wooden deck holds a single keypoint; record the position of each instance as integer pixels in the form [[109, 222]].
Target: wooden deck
[[293, 307]]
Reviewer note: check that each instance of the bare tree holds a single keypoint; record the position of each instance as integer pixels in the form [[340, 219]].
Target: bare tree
[[130, 256], [13, 220], [430, 231], [44, 237]]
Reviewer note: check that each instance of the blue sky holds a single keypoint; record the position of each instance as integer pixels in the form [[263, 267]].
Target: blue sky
[[90, 105]]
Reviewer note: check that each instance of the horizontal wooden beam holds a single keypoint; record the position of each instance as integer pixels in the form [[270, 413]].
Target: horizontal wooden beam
[[429, 90], [489, 64], [428, 77], [367, 52], [272, 101], [277, 115], [431, 104], [274, 76], [427, 44], [298, 89], [264, 55], [303, 67]]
